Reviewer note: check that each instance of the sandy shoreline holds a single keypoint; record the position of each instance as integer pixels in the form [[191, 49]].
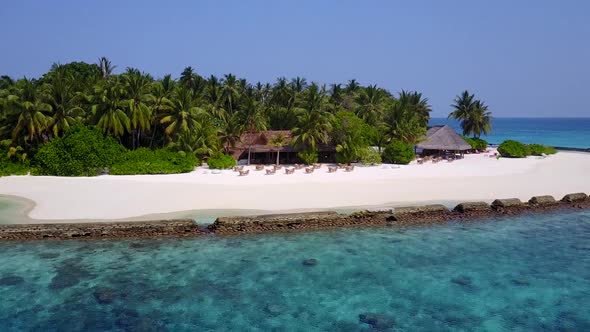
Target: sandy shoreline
[[474, 178]]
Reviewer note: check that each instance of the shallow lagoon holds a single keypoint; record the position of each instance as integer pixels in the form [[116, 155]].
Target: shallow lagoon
[[530, 273]]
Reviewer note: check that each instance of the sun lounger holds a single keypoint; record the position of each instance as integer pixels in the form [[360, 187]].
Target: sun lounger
[[309, 170], [276, 167], [298, 166], [317, 166], [244, 173], [332, 169], [289, 171], [270, 171], [259, 167], [349, 168], [340, 165]]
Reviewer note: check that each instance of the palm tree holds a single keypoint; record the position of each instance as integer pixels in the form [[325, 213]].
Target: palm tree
[[312, 129], [253, 121], [60, 95], [230, 133], [315, 98], [472, 113], [183, 115], [352, 86], [106, 68], [371, 106], [230, 91], [29, 112], [108, 109], [278, 141], [139, 103], [161, 91], [414, 101]]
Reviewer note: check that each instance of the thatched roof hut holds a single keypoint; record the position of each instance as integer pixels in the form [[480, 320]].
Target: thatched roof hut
[[443, 138]]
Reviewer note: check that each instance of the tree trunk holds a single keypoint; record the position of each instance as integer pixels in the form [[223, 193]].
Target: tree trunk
[[249, 148], [278, 152]]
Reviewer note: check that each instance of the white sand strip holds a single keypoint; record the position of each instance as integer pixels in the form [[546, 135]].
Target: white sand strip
[[474, 178]]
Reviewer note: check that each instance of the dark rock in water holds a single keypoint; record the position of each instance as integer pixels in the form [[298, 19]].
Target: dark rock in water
[[11, 280], [578, 247], [69, 273], [104, 295], [273, 309], [377, 321], [48, 255], [520, 282], [462, 280], [310, 262]]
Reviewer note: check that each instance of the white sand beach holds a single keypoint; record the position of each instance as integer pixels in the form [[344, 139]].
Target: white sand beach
[[476, 177]]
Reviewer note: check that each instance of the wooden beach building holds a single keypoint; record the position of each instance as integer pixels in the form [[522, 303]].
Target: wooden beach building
[[262, 151], [443, 139]]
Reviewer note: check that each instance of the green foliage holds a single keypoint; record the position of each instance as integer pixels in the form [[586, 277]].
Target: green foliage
[[81, 152], [476, 143], [308, 156], [550, 150], [369, 156], [11, 162], [398, 152], [351, 136], [538, 149], [513, 149], [221, 161], [161, 161], [473, 114]]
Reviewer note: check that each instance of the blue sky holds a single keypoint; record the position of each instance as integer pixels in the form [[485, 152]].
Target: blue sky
[[523, 58]]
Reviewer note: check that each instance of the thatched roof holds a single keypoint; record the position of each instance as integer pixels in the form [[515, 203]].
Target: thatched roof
[[260, 142], [443, 138]]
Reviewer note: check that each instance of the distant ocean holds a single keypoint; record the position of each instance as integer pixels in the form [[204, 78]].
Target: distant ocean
[[562, 132]]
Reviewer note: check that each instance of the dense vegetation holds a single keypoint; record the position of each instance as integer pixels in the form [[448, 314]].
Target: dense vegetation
[[515, 149], [398, 152], [198, 116], [160, 161], [221, 161], [476, 143]]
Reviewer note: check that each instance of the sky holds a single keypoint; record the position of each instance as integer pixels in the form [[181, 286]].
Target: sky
[[522, 58]]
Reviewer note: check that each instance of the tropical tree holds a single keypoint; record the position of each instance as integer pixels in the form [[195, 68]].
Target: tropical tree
[[230, 133], [139, 103], [350, 134], [230, 92], [253, 121], [106, 67], [183, 115], [472, 113], [414, 102], [278, 141], [29, 113], [108, 108], [64, 102], [312, 129], [405, 124], [371, 105]]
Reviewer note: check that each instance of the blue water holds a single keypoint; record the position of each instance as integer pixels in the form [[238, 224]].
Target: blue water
[[564, 132], [530, 273]]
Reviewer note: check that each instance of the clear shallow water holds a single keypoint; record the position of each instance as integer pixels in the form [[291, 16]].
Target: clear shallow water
[[530, 273], [563, 132]]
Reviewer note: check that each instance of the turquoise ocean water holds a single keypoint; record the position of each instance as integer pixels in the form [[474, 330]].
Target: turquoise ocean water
[[529, 273], [563, 132]]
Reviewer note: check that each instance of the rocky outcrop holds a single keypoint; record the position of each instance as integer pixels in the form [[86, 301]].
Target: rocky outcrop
[[398, 217], [542, 201], [508, 205], [576, 197], [420, 214], [132, 229], [473, 208]]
